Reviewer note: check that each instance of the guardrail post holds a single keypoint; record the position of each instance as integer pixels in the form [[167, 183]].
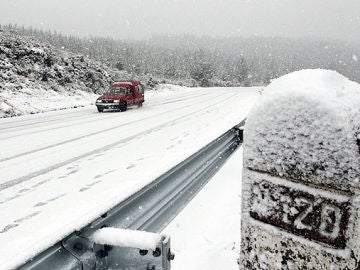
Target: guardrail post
[[114, 248], [301, 192]]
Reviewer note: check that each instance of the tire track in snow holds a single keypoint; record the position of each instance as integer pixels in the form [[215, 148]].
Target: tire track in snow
[[89, 119], [102, 149], [92, 134], [17, 222], [77, 138], [53, 118], [42, 121], [9, 121]]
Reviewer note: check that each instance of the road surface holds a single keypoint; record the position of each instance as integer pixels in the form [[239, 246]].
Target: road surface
[[60, 170]]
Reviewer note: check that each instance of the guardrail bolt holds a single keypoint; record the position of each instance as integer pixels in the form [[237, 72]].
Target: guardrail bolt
[[143, 252], [171, 256], [102, 253], [78, 246], [152, 267], [157, 252], [107, 248]]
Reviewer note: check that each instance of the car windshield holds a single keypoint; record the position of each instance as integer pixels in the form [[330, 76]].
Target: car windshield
[[118, 90]]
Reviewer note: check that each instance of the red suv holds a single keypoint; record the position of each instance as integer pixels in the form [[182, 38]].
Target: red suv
[[121, 95]]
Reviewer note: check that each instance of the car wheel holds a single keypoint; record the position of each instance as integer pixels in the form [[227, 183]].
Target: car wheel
[[123, 106], [140, 104], [100, 109]]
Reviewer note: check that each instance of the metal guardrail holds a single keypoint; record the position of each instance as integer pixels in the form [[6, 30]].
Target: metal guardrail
[[150, 209]]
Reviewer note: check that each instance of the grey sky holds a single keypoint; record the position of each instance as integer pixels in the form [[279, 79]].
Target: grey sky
[[338, 19]]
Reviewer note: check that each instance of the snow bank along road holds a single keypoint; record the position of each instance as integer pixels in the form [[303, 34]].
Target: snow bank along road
[[60, 170]]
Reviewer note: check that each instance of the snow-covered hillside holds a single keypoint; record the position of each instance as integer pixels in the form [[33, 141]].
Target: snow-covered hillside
[[36, 77]]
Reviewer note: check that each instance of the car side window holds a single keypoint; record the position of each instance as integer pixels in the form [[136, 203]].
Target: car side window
[[139, 88]]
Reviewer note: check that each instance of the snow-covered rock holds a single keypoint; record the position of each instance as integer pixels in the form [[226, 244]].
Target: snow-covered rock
[[305, 127], [301, 189]]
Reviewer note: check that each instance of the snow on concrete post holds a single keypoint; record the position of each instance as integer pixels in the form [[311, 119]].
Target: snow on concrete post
[[301, 191]]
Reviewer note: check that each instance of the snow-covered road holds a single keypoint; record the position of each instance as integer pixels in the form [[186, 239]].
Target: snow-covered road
[[59, 170]]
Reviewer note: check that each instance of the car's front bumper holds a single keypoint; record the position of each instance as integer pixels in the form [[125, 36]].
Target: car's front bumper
[[109, 105], [103, 106]]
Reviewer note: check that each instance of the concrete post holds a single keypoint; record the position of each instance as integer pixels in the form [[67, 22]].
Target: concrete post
[[301, 192]]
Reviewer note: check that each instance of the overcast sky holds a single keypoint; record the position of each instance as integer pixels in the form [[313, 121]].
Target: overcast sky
[[339, 19]]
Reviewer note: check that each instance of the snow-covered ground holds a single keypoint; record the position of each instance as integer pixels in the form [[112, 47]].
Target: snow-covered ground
[[206, 234], [62, 169], [30, 101]]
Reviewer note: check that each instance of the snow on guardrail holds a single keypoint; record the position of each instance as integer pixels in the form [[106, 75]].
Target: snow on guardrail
[[126, 238]]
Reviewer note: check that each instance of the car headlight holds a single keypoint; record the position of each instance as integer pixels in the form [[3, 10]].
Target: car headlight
[[99, 101], [116, 101]]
